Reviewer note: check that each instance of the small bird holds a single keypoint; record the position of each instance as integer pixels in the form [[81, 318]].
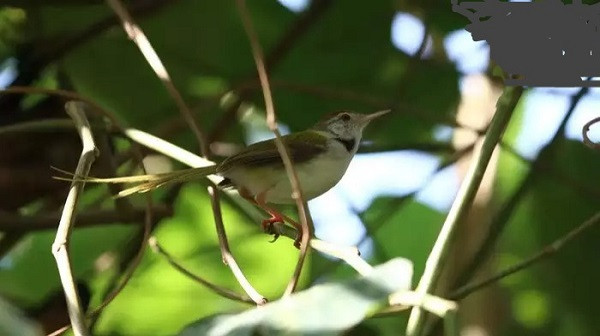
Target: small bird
[[320, 154]]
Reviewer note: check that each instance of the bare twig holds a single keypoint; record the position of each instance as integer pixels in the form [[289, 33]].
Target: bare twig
[[440, 307], [305, 20], [584, 132], [432, 304], [70, 95], [61, 242], [500, 219], [227, 293], [168, 149], [228, 258], [135, 33], [59, 331], [464, 199], [148, 218], [193, 160], [546, 252], [13, 223], [359, 97], [272, 123], [50, 125], [349, 254]]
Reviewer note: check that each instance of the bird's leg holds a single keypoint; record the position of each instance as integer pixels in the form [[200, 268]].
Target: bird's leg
[[276, 216], [267, 224]]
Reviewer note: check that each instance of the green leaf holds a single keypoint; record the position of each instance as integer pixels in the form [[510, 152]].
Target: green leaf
[[325, 309], [14, 323]]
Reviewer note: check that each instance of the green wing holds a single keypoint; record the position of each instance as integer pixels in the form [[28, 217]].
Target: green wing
[[301, 146]]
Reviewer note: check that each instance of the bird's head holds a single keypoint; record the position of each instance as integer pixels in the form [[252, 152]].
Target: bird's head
[[347, 125]]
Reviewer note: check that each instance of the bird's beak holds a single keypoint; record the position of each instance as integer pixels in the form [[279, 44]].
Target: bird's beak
[[367, 118]]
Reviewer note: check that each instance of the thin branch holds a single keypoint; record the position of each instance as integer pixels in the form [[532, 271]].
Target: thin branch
[[433, 304], [228, 258], [350, 255], [283, 152], [359, 97], [283, 46], [168, 149], [49, 125], [135, 33], [63, 233], [14, 223], [193, 160], [500, 219], [69, 95], [227, 293], [584, 132], [461, 205], [148, 217], [347, 254], [546, 252]]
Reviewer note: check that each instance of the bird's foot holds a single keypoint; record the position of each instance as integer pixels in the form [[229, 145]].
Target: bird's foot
[[268, 227]]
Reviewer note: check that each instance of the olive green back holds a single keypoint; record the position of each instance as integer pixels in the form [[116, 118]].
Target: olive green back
[[302, 146]]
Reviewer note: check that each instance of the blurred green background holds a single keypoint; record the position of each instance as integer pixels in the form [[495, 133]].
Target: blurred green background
[[411, 56]]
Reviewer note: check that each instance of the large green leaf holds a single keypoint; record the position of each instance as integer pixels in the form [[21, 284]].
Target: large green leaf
[[12, 322], [325, 309]]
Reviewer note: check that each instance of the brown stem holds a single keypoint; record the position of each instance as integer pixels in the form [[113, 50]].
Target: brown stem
[[283, 152], [226, 254], [227, 293]]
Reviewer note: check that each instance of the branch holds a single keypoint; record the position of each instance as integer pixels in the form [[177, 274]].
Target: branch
[[14, 223], [148, 217], [352, 96], [546, 252], [585, 130], [228, 258], [192, 160], [227, 293], [63, 233], [466, 194], [168, 149], [500, 219], [305, 20], [283, 152], [135, 33], [351, 255]]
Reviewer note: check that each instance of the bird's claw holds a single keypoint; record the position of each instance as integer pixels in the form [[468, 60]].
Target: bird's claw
[[268, 227], [275, 237]]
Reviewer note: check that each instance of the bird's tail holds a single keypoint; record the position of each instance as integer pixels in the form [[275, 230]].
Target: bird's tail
[[146, 182]]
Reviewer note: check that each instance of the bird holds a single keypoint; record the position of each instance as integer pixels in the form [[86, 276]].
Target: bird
[[320, 154]]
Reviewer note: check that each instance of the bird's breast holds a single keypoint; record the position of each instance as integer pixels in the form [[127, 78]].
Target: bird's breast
[[316, 176]]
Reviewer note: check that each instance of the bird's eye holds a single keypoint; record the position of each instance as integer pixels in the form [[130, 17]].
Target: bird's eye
[[345, 117]]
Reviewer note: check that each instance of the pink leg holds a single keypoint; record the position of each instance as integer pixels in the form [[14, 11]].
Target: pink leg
[[276, 217]]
